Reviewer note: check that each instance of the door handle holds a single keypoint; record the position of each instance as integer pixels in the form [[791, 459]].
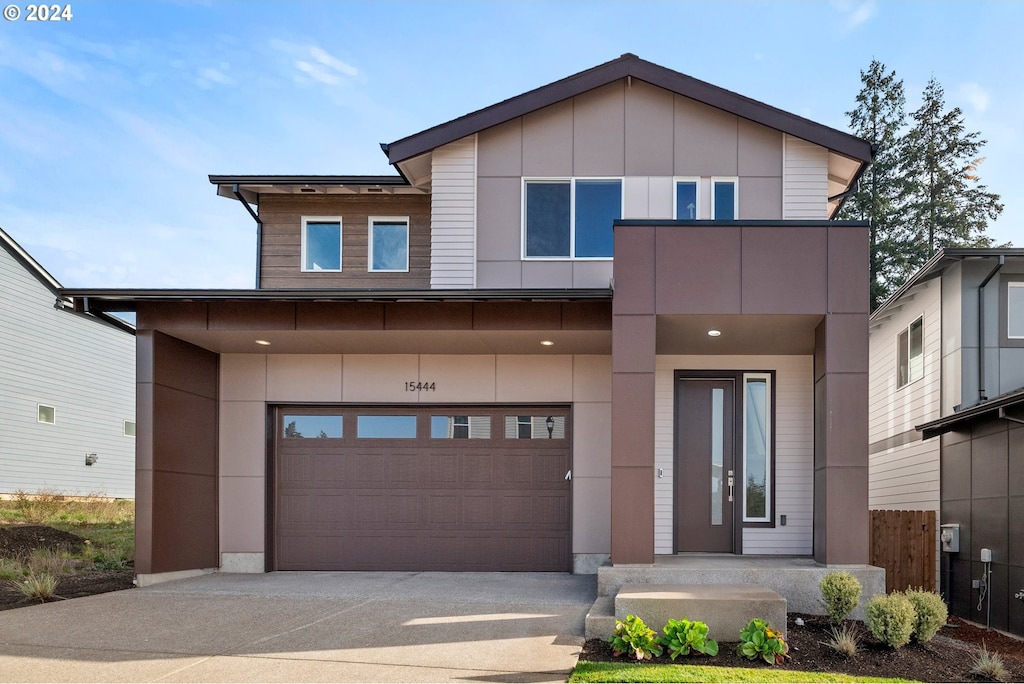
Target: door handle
[[731, 485]]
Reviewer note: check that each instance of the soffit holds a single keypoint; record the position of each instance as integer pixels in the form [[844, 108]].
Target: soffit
[[742, 334]]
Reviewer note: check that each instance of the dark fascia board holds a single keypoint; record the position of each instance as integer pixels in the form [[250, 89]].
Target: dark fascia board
[[307, 180], [943, 258], [757, 223], [127, 300], [949, 423], [629, 65], [30, 264]]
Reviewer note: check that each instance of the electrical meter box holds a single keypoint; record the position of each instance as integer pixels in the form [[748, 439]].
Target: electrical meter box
[[949, 536]]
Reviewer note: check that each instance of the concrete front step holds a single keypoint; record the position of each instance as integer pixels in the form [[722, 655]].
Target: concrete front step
[[725, 608]]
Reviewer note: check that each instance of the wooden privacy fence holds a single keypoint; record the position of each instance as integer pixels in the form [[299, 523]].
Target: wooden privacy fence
[[903, 542]]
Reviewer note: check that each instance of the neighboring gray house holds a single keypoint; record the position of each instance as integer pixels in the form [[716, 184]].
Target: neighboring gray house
[[67, 388], [947, 402]]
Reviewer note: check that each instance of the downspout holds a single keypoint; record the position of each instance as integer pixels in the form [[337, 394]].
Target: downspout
[[259, 231], [981, 327]]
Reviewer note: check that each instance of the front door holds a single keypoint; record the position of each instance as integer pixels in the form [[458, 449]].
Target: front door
[[704, 467]]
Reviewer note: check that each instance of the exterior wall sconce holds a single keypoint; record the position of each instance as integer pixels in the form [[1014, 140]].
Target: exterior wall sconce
[[550, 423], [90, 459]]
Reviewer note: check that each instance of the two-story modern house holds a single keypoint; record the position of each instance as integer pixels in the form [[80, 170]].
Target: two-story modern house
[[947, 403], [67, 389], [607, 319]]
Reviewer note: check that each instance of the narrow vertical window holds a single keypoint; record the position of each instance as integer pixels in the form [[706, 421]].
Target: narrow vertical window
[[686, 199], [910, 354], [321, 243], [717, 454], [1015, 310], [388, 244], [757, 458], [723, 199]]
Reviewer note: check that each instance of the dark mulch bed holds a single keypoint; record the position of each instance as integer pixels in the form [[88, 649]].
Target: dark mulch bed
[[20, 540], [946, 658]]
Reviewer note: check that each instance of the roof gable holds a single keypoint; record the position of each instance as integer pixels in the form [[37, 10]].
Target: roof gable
[[628, 66], [30, 264]]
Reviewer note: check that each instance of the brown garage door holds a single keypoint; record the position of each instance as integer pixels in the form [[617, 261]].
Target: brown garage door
[[414, 488]]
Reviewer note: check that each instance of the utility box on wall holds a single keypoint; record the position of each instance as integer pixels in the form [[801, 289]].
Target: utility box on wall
[[949, 536]]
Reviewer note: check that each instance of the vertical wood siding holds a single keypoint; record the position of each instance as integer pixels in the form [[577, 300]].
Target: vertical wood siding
[[82, 367], [453, 216], [794, 449], [804, 180], [905, 476]]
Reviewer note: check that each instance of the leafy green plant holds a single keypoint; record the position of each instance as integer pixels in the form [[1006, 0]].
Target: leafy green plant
[[758, 639], [989, 665], [682, 636], [931, 613], [844, 640], [891, 619], [840, 594], [634, 637], [42, 587]]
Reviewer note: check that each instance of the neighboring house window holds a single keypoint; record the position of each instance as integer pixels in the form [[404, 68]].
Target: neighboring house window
[[910, 352], [686, 199], [321, 243], [724, 199], [1015, 310], [388, 244], [570, 218], [46, 414], [757, 443], [129, 428]]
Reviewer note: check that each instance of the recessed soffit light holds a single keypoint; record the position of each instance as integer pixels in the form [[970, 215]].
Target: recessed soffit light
[[714, 333], [265, 343], [547, 343]]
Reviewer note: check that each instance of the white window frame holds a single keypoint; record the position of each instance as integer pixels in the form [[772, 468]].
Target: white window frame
[[124, 428], [769, 457], [46, 422], [735, 196], [675, 194], [369, 243], [1010, 285], [910, 365], [571, 180], [341, 243]]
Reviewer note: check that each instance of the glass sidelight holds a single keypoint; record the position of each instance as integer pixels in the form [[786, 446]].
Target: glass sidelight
[[717, 453]]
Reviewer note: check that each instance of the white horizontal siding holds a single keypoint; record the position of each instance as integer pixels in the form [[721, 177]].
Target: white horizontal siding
[[82, 367], [804, 180], [453, 215], [794, 449]]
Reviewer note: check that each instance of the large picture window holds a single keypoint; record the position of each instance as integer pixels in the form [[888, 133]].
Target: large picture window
[[570, 218], [757, 441], [321, 243], [910, 352], [388, 244]]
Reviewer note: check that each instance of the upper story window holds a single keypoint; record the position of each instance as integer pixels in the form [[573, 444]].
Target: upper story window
[[724, 199], [388, 242], [321, 243], [570, 218], [1015, 310], [687, 198], [910, 352]]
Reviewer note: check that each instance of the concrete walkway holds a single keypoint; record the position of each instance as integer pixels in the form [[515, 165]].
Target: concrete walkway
[[308, 627]]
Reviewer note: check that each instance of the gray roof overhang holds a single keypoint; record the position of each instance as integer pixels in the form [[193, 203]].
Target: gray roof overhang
[[998, 405]]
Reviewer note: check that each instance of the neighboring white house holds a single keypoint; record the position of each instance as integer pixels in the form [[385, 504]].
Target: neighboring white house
[[67, 388], [946, 391]]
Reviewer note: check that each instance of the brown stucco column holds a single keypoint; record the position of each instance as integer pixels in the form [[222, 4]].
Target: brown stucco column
[[176, 522], [841, 518], [633, 351]]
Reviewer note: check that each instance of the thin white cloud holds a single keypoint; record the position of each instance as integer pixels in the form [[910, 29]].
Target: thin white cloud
[[855, 13], [210, 76], [314, 64], [977, 96]]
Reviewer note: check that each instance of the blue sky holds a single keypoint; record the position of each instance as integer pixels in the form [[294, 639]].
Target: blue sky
[[111, 122]]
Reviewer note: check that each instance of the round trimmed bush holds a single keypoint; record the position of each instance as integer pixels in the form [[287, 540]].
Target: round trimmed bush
[[931, 613], [840, 594], [891, 619]]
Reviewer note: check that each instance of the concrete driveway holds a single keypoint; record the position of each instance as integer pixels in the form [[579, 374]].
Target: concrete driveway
[[311, 627]]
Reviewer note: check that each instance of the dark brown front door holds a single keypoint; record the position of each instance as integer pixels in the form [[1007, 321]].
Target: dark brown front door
[[416, 488], [704, 464]]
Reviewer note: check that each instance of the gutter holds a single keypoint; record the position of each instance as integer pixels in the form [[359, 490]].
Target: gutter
[[981, 327], [259, 230]]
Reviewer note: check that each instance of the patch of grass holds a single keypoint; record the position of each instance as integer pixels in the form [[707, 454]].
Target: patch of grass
[[645, 672], [49, 507], [11, 569], [49, 562], [42, 587], [990, 665]]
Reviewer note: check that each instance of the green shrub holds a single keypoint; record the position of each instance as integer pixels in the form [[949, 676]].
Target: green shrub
[[758, 639], [840, 594], [891, 619], [931, 613], [633, 636], [682, 636]]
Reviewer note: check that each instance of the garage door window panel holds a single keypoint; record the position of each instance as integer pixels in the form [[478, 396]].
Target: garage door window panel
[[386, 427], [534, 427], [313, 426], [460, 427]]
